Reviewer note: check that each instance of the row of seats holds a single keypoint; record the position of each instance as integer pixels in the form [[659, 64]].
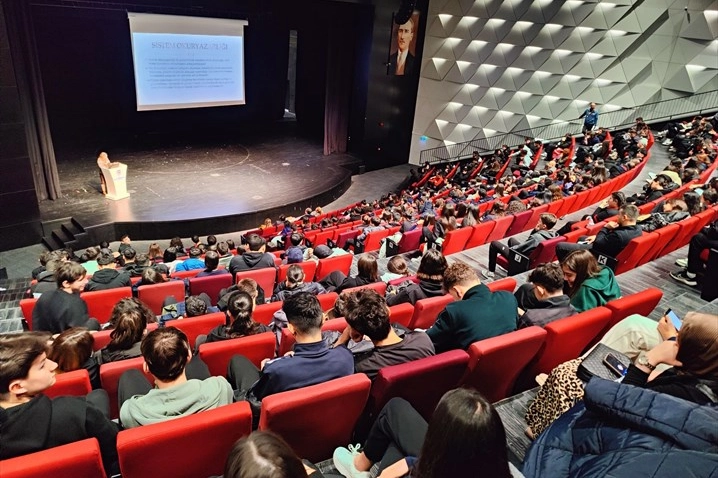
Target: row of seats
[[492, 366]]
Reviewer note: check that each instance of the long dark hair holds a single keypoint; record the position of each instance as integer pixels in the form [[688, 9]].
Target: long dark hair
[[465, 438], [584, 264], [240, 306], [129, 320], [263, 455], [367, 268]]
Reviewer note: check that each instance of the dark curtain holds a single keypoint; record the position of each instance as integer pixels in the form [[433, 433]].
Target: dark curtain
[[340, 69], [29, 81]]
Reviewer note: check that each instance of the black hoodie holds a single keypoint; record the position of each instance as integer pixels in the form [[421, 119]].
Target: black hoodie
[[250, 261], [108, 279]]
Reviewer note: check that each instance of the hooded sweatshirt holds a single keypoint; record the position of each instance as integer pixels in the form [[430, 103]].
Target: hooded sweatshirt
[[251, 260], [596, 291], [108, 279], [187, 398]]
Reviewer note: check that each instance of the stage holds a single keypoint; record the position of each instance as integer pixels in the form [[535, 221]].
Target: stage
[[186, 188]]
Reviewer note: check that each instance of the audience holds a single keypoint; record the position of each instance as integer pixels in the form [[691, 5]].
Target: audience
[[255, 257], [107, 277], [128, 321], [430, 276], [72, 350], [588, 284], [240, 306], [194, 262], [211, 264], [294, 284], [546, 283]]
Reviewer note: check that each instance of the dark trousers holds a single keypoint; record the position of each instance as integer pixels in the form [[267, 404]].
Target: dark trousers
[[565, 248], [398, 432], [356, 244], [99, 399], [498, 248], [333, 280], [699, 242], [242, 374]]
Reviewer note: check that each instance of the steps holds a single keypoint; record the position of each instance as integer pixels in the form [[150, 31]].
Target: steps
[[66, 232]]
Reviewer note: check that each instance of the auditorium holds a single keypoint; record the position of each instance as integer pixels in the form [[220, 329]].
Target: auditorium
[[358, 238]]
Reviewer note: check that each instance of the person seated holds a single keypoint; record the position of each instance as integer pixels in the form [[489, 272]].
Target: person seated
[[295, 253], [367, 273], [211, 265], [476, 314], [672, 210], [655, 189], [404, 444], [90, 259], [46, 279], [609, 207], [255, 257], [108, 277], [294, 284], [125, 243], [368, 315], [610, 240], [225, 254], [693, 268], [62, 308], [154, 253], [240, 306], [357, 243], [546, 284], [397, 268], [128, 261], [128, 322], [44, 257], [540, 233], [193, 263], [72, 350], [430, 275], [31, 421], [588, 284], [311, 362], [181, 387]]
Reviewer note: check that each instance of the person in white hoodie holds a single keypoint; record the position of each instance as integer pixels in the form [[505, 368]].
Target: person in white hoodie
[[168, 358]]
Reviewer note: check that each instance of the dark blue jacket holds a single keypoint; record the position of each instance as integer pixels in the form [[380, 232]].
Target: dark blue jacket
[[626, 431]]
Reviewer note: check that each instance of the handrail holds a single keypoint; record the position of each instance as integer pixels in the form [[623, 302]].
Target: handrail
[[665, 110]]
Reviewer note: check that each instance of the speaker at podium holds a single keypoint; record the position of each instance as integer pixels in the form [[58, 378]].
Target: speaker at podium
[[113, 178]]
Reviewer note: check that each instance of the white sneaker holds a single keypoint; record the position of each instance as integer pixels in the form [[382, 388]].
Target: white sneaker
[[344, 462], [487, 274], [682, 262], [667, 142]]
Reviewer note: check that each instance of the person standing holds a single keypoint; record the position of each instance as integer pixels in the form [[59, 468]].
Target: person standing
[[590, 118]]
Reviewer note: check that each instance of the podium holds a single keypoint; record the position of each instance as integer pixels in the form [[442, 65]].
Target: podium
[[116, 181]]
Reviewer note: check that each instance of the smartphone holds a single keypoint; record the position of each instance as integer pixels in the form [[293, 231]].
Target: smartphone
[[677, 322], [615, 365]]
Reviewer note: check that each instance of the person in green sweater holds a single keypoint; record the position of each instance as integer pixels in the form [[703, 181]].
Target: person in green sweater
[[587, 283]]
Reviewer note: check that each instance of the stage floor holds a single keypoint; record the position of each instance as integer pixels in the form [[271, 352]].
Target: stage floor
[[230, 184]]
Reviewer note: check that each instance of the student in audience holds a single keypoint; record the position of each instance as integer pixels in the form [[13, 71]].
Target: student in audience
[[154, 252], [367, 273], [693, 268], [240, 306], [476, 313], [128, 321], [177, 243], [33, 422], [181, 389], [211, 263], [72, 350], [46, 279], [62, 308], [587, 283], [44, 257], [368, 315], [465, 437], [90, 263], [255, 257], [295, 253], [396, 269], [194, 262], [294, 283], [225, 256], [108, 277], [545, 282], [170, 260], [430, 275], [125, 243], [266, 455]]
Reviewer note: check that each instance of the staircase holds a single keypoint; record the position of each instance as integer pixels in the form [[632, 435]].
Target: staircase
[[65, 232]]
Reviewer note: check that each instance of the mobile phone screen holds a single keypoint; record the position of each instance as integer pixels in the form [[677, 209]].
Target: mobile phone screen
[[674, 319], [615, 365]]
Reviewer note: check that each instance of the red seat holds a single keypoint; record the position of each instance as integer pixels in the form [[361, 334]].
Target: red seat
[[507, 284], [327, 300], [420, 382], [321, 238], [264, 278], [544, 252], [263, 313], [502, 225], [154, 295], [27, 306], [427, 310], [79, 459], [75, 383], [410, 241], [631, 255], [287, 341], [195, 445], [639, 303], [665, 236], [315, 420], [567, 338], [519, 223], [379, 287], [101, 302], [455, 241], [567, 206], [210, 285], [555, 206], [339, 263], [255, 347], [479, 234], [195, 326], [102, 337], [372, 242], [535, 216], [110, 378], [495, 363], [309, 268], [185, 274], [401, 314], [346, 235]]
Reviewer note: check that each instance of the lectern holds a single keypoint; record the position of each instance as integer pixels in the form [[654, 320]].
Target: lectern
[[116, 180]]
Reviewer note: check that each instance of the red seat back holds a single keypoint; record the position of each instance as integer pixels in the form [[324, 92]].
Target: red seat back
[[410, 241], [535, 216], [263, 313], [567, 206], [321, 238], [185, 274], [195, 326], [264, 278], [495, 363], [401, 314], [327, 300], [372, 242], [101, 302], [27, 306], [379, 287], [455, 241], [154, 295], [641, 303], [210, 285], [339, 263], [519, 223], [545, 251], [102, 338], [255, 347], [309, 268], [665, 236], [420, 382], [195, 445], [81, 458], [75, 383], [110, 377], [631, 256], [427, 310], [502, 225], [479, 233], [346, 235], [507, 284], [301, 416]]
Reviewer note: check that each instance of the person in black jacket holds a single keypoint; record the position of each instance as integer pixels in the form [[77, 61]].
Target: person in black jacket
[[254, 258], [30, 421], [107, 277], [430, 274], [367, 273], [294, 283], [546, 284]]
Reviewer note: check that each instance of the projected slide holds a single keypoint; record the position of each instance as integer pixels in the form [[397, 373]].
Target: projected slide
[[185, 64]]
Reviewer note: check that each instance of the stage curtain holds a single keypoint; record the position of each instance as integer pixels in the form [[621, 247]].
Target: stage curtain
[[340, 69], [29, 81]]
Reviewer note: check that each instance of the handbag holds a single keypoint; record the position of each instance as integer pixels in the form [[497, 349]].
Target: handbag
[[593, 366]]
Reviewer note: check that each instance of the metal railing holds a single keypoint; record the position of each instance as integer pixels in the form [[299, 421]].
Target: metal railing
[[658, 111]]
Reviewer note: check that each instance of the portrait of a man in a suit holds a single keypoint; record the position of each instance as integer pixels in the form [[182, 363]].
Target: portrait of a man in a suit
[[402, 61]]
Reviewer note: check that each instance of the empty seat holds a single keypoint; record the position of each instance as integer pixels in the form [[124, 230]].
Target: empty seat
[[495, 363], [339, 263], [630, 257], [315, 420], [639, 303], [101, 302], [264, 277], [517, 263], [154, 295], [519, 223], [427, 310], [410, 241], [210, 285], [75, 383], [502, 226], [27, 306], [479, 234], [255, 347], [345, 236], [195, 445], [78, 459], [455, 241], [372, 242], [537, 211]]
